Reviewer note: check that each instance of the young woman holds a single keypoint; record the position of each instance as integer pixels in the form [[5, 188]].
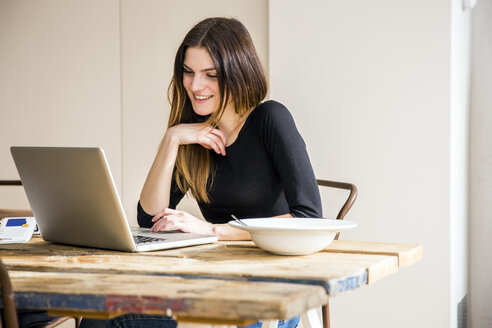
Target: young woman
[[235, 154]]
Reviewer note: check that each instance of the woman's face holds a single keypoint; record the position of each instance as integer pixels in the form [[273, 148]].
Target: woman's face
[[200, 81]]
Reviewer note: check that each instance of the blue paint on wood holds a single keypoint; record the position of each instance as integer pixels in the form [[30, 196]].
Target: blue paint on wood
[[98, 303], [336, 286], [59, 301], [331, 286]]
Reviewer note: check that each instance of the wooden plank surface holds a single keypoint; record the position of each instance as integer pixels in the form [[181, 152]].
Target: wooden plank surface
[[336, 272], [209, 300], [407, 254], [376, 267], [343, 266]]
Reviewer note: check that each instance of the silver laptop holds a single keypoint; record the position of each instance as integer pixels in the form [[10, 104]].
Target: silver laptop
[[74, 200]]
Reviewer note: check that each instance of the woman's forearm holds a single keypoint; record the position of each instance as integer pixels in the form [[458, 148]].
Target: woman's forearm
[[156, 190], [226, 232]]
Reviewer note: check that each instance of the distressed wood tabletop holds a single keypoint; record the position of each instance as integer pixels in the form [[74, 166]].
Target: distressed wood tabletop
[[216, 278], [208, 300]]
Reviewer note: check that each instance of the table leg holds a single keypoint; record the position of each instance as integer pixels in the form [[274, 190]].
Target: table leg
[[326, 315]]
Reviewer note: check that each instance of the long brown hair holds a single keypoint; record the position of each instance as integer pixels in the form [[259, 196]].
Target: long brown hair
[[241, 79]]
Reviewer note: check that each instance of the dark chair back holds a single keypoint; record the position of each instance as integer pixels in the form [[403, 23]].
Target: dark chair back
[[8, 303], [350, 200]]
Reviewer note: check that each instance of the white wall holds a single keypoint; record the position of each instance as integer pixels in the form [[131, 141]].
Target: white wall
[[370, 85], [481, 168], [59, 80]]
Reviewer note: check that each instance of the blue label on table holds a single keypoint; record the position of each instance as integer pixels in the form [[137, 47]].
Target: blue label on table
[[16, 222]]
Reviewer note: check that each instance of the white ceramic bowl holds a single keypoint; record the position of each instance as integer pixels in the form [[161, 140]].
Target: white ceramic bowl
[[293, 236]]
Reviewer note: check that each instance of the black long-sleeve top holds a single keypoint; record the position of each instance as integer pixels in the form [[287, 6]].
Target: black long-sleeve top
[[266, 172]]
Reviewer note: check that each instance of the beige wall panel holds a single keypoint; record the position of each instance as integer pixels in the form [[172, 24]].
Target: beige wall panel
[[151, 33], [59, 80], [368, 83]]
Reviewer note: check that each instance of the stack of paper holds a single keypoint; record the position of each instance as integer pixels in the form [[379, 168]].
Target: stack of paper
[[16, 230]]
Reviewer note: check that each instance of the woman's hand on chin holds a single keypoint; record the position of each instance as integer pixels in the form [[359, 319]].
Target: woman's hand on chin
[[198, 133], [170, 219]]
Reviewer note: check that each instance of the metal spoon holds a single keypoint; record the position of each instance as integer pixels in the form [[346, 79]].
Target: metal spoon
[[237, 220]]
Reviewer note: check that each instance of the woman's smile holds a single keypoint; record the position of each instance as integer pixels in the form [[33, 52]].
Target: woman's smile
[[201, 99]]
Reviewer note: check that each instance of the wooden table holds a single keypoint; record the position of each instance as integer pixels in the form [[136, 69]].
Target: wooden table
[[232, 283]]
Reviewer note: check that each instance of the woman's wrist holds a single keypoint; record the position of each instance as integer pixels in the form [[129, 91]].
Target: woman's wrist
[[170, 139], [226, 232]]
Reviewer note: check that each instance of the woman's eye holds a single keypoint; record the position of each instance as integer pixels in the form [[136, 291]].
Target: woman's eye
[[212, 76], [185, 71]]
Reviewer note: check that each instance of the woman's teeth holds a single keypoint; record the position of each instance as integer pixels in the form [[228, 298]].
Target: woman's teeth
[[202, 97]]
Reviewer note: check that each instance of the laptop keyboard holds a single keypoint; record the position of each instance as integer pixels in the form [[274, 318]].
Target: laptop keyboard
[[146, 240]]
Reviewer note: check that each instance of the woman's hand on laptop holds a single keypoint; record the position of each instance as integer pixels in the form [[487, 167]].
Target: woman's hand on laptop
[[170, 219]]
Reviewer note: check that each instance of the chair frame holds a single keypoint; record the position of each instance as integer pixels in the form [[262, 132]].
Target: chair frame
[[8, 299], [341, 215], [10, 183]]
